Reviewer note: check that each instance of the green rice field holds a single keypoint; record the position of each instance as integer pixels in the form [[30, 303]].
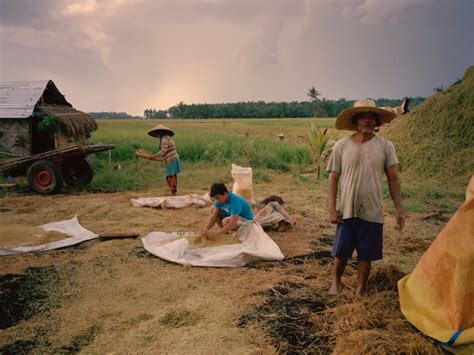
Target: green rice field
[[207, 143]]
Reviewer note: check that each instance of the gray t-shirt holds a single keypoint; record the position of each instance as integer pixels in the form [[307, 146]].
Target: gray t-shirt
[[362, 166]]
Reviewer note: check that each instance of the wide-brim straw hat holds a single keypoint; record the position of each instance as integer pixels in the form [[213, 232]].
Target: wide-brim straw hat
[[344, 119], [160, 130]]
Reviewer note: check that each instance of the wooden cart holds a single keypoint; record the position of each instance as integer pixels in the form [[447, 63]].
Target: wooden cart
[[49, 170]]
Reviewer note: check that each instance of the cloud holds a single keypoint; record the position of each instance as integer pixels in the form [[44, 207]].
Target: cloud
[[85, 7], [96, 39], [28, 13], [128, 55], [32, 38], [372, 12]]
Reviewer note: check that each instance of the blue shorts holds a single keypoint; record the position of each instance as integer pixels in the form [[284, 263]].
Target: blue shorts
[[355, 233]]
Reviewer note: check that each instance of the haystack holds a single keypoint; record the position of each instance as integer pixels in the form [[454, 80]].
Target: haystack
[[436, 139]]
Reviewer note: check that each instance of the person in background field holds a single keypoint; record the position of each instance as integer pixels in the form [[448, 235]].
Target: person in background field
[[228, 212], [168, 154], [357, 164]]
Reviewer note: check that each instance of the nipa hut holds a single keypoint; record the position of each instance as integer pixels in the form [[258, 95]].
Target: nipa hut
[[35, 117]]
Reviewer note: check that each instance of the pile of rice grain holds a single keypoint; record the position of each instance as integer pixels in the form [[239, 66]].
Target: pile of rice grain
[[18, 235], [207, 242]]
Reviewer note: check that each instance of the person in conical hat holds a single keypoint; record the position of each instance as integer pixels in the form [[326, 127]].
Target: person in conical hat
[[168, 153], [160, 131], [357, 165]]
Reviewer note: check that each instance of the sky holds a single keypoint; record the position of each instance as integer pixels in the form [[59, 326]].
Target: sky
[[129, 55]]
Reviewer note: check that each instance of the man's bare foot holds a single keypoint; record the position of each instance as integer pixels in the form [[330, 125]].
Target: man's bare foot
[[335, 289], [360, 292]]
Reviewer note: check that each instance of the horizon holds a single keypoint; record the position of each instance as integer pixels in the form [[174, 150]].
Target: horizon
[[245, 102]]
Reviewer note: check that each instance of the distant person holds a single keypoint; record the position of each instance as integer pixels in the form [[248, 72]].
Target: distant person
[[398, 110], [167, 152], [229, 211], [357, 164]]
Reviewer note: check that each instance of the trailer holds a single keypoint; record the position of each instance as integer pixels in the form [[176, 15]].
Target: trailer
[[47, 172], [44, 137]]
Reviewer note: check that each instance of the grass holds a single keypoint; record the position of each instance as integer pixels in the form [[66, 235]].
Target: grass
[[208, 147], [210, 141], [213, 143], [297, 122], [419, 197]]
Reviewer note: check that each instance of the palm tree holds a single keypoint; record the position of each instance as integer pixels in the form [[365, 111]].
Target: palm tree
[[313, 94]]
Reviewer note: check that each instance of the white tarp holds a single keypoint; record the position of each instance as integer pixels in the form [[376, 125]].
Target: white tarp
[[173, 201], [254, 245], [71, 227]]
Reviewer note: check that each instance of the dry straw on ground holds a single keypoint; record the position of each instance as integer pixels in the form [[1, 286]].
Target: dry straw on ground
[[113, 296], [301, 317]]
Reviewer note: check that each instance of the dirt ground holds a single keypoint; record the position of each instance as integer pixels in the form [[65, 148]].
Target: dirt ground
[[113, 296]]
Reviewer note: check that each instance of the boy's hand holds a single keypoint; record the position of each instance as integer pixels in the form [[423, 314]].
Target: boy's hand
[[209, 233]]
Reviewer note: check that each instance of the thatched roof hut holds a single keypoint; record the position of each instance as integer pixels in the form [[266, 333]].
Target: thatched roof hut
[[24, 105]]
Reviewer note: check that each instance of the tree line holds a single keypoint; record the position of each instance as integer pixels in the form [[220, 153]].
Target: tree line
[[255, 109], [112, 115], [262, 109]]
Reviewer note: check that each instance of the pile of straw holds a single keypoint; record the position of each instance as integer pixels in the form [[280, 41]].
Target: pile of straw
[[435, 140]]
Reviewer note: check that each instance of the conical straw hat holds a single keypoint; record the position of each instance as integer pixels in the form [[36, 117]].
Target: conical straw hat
[[155, 132], [344, 119]]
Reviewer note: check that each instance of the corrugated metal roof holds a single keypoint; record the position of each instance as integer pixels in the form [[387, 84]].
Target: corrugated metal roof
[[18, 98]]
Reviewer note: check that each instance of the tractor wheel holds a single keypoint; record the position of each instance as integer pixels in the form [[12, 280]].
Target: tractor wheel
[[78, 173], [45, 177]]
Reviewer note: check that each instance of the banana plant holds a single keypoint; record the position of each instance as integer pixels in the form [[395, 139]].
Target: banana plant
[[317, 142]]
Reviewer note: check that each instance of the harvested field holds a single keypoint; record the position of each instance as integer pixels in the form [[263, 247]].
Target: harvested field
[[113, 296]]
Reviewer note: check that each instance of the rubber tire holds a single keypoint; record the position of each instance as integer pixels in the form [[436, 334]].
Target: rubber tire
[[45, 177], [78, 173]]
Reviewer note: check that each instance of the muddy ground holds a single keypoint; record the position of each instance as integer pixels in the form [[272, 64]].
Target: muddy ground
[[113, 296]]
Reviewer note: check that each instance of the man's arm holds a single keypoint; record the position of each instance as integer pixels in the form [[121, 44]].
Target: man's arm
[[334, 215], [395, 193]]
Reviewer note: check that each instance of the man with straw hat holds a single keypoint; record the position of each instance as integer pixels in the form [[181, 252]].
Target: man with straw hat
[[168, 154], [357, 164]]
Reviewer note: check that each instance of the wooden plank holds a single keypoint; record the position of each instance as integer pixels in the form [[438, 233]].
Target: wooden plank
[[118, 235]]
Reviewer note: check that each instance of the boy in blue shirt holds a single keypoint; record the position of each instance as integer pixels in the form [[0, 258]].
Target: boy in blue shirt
[[228, 210]]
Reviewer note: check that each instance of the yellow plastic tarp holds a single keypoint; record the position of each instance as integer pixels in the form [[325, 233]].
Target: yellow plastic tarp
[[438, 296]]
